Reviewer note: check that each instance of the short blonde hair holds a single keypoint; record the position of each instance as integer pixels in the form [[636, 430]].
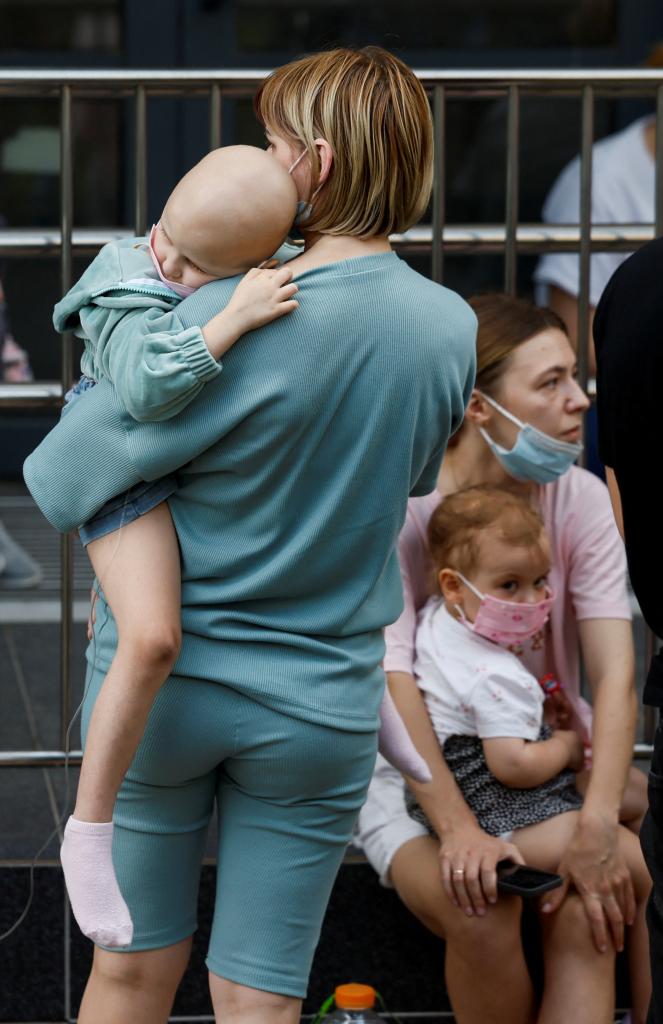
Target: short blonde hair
[[374, 113]]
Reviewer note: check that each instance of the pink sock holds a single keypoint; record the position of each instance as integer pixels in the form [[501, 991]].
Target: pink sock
[[89, 875], [395, 743]]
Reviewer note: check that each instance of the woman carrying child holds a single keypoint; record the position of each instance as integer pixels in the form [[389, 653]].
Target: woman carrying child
[[526, 368]]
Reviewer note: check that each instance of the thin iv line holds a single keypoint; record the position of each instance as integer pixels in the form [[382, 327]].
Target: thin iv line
[[96, 588]]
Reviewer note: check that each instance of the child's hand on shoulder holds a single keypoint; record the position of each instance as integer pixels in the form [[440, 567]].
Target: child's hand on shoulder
[[263, 295], [575, 748]]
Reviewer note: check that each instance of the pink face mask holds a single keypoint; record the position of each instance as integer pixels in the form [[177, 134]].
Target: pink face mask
[[183, 290], [507, 622]]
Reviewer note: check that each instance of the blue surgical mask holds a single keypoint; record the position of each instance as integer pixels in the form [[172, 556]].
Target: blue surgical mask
[[304, 208], [535, 456]]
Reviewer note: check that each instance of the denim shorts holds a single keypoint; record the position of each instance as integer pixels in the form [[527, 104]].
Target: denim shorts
[[127, 507]]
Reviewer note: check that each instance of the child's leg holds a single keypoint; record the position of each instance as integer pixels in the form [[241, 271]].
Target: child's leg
[[139, 571], [634, 801], [638, 937], [579, 981]]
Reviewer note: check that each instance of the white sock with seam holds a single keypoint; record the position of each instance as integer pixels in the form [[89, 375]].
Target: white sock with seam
[[96, 900]]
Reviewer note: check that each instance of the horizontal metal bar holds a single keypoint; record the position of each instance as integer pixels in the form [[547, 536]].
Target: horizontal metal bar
[[39, 758], [185, 79], [47, 241], [56, 758], [461, 238], [31, 396]]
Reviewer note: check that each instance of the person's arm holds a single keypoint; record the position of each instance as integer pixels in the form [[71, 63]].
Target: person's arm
[[524, 764], [593, 862], [464, 846], [158, 366]]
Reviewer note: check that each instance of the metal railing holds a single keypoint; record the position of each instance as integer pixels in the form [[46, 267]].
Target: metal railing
[[510, 238]]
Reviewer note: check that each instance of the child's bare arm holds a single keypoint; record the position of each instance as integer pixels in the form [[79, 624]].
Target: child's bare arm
[[524, 764], [260, 297]]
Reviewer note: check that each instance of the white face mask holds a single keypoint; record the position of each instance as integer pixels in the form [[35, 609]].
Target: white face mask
[[304, 209], [535, 456]]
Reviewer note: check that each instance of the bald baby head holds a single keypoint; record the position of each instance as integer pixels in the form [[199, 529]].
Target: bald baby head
[[230, 212]]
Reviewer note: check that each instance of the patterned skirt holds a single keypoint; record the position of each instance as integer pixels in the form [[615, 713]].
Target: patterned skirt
[[500, 809]]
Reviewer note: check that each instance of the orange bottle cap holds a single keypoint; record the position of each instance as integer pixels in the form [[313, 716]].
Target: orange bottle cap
[[354, 997]]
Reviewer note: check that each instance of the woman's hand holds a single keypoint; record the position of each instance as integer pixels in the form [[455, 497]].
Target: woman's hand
[[594, 865], [468, 857]]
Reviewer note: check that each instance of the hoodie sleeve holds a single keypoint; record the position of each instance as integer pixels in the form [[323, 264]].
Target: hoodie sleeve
[[135, 337], [157, 365]]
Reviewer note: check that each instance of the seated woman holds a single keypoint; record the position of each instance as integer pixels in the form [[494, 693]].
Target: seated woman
[[526, 371]]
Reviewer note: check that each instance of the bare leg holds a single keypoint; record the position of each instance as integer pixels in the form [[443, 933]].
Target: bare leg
[[139, 571], [485, 968], [579, 982], [634, 801], [134, 987], [239, 1004]]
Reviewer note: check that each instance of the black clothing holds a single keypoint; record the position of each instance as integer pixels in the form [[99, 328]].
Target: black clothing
[[651, 841], [628, 335]]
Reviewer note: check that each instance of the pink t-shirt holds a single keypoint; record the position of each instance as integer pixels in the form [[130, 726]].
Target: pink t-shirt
[[588, 575]]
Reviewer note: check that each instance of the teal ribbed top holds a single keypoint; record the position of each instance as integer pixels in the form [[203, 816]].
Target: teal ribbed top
[[304, 452]]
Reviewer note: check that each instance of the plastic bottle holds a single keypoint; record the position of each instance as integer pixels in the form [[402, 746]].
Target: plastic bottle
[[354, 1005]]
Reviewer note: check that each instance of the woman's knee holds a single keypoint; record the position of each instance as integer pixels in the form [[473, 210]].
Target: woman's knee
[[491, 936], [232, 1001], [570, 929], [147, 970]]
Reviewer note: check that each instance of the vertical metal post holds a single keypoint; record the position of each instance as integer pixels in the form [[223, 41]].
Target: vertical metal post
[[658, 219], [215, 116], [438, 182], [66, 376], [586, 142], [67, 958], [140, 148], [512, 186], [650, 713]]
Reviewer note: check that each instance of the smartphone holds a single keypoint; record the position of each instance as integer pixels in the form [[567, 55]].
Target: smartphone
[[523, 880]]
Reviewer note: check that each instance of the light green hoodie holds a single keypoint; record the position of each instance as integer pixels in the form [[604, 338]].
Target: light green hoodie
[[132, 333]]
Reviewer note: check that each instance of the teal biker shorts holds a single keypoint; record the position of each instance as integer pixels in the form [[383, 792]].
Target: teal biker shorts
[[288, 793]]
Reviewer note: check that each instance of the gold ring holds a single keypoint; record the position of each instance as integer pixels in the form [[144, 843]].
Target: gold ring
[[459, 872]]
